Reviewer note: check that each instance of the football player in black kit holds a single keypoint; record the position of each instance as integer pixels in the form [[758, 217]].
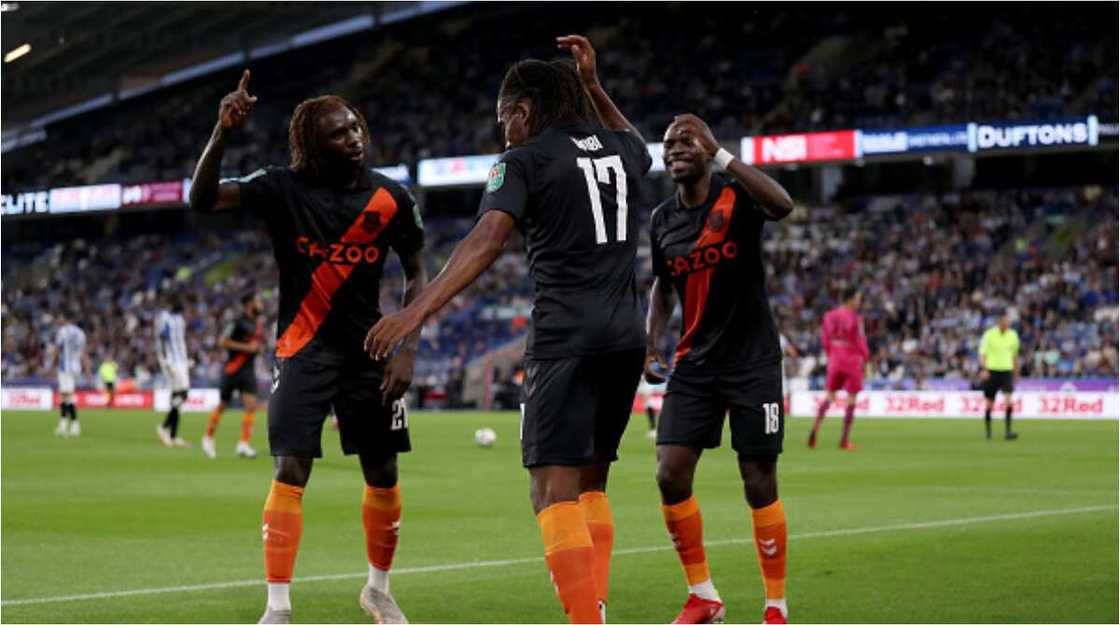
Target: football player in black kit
[[707, 251], [569, 181], [332, 221]]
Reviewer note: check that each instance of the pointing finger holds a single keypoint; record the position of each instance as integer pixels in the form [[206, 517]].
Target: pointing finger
[[244, 84]]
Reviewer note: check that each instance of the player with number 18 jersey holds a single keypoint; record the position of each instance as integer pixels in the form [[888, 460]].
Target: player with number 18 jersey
[[707, 252]]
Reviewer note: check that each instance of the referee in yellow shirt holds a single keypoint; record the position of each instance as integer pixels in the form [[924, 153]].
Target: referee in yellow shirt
[[999, 360]]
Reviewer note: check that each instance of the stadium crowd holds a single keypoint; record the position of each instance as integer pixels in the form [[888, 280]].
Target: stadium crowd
[[99, 288], [936, 270], [777, 69]]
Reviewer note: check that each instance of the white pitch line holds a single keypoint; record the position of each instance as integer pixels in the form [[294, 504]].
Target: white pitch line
[[438, 568]]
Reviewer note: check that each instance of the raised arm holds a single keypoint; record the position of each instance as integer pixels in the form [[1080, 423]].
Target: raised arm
[[770, 196], [207, 194], [584, 55], [473, 255], [662, 300]]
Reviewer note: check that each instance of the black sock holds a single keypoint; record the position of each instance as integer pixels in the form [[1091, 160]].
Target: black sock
[[988, 421], [171, 423], [1007, 419], [652, 416]]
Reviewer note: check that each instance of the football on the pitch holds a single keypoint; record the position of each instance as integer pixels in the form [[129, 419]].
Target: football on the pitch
[[485, 437]]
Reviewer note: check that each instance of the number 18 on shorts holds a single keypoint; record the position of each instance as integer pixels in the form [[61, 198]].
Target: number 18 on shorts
[[695, 405]]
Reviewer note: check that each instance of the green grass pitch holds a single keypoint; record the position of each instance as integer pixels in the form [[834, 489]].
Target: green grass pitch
[[926, 522]]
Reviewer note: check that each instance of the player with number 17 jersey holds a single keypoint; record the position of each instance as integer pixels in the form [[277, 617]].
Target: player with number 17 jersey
[[573, 191], [569, 181]]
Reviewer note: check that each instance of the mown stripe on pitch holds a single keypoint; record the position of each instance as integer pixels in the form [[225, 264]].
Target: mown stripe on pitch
[[457, 566]]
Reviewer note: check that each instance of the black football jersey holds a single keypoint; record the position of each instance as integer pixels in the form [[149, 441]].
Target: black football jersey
[[712, 255], [330, 245], [243, 330], [574, 191]]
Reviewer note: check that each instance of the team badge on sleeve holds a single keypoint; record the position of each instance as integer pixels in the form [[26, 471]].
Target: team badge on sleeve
[[496, 178]]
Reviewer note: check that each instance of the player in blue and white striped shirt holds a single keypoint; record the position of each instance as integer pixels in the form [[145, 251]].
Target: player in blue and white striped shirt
[[69, 354], [171, 351]]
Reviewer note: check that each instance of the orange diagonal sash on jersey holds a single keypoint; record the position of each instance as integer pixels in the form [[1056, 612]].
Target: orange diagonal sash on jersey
[[233, 366], [328, 277], [696, 289]]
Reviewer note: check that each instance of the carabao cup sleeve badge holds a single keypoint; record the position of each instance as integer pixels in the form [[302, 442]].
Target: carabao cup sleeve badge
[[496, 178]]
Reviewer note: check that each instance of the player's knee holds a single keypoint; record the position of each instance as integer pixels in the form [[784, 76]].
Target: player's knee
[[594, 477], [674, 482], [550, 487], [380, 471], [292, 470], [760, 481]]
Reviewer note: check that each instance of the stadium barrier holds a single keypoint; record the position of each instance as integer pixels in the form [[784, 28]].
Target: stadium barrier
[[1072, 405], [198, 400], [45, 398], [100, 399], [967, 404], [27, 398], [845, 145]]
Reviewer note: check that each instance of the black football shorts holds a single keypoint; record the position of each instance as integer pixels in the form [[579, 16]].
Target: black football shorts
[[244, 381], [576, 409], [304, 391], [998, 381], [696, 402]]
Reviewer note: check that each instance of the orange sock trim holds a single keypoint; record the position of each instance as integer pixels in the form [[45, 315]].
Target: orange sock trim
[[770, 538], [381, 517], [212, 423], [686, 528], [283, 527], [247, 426], [600, 524], [570, 556]]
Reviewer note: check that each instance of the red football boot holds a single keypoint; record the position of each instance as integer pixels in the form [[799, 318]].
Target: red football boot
[[697, 610], [848, 446], [773, 615]]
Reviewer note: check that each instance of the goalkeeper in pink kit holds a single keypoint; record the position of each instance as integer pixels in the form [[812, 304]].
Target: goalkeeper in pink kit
[[845, 345]]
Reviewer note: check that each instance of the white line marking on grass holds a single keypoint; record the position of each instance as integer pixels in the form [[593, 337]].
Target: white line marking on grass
[[457, 566]]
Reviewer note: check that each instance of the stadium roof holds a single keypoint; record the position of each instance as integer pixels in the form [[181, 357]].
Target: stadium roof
[[88, 53]]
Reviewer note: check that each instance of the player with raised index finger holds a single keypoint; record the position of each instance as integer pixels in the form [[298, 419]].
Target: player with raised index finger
[[332, 221]]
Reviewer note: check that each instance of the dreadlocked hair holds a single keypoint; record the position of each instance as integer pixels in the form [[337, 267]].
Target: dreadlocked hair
[[554, 89], [302, 141]]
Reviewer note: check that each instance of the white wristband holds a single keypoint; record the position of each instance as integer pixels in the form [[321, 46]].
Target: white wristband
[[722, 159]]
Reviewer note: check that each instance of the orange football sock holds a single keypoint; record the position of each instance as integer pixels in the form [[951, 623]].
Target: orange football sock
[[770, 538], [381, 516], [570, 556], [212, 423], [600, 524], [283, 526], [247, 426], [687, 531]]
